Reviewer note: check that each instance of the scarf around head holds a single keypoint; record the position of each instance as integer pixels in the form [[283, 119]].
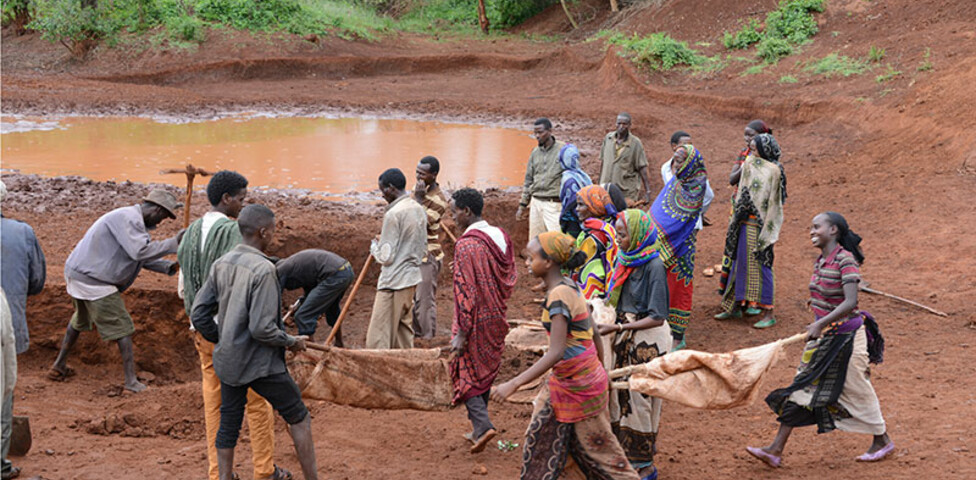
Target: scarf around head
[[676, 209], [641, 249], [597, 201], [558, 246], [573, 178], [768, 148]]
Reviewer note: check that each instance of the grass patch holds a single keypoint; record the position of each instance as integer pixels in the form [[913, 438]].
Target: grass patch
[[710, 65], [876, 55], [888, 76], [657, 51], [834, 64], [926, 64], [788, 79], [753, 70]]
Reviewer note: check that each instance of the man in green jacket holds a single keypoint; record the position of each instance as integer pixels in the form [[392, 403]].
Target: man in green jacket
[[206, 240]]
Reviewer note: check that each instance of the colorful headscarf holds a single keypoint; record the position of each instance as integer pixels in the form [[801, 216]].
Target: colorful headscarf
[[573, 177], [642, 248], [676, 210], [558, 246], [768, 148], [597, 200]]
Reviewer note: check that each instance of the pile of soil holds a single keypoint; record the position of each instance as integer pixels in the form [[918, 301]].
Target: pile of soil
[[897, 159]]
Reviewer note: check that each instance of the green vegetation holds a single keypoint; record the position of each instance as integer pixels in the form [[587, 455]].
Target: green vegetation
[[81, 24], [889, 75], [876, 55], [790, 25], [711, 65], [657, 51], [788, 79], [926, 64], [834, 64], [743, 38], [753, 70]]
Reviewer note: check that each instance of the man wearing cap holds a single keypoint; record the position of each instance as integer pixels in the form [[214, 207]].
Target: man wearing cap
[[105, 262]]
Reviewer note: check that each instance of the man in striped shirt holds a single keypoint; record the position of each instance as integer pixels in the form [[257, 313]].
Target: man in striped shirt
[[428, 194]]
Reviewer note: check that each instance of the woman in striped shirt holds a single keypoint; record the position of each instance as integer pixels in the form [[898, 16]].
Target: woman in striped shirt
[[832, 388]]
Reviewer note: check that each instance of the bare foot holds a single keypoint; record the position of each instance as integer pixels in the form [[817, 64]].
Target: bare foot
[[135, 387]]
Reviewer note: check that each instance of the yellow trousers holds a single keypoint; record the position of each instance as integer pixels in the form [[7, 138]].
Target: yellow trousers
[[259, 414]]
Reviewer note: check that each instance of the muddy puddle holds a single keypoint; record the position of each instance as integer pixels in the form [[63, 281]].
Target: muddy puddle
[[330, 155]]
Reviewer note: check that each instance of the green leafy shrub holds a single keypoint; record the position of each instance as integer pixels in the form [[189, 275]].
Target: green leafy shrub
[[68, 23], [834, 64], [889, 75], [748, 35], [793, 20], [771, 49], [657, 51], [186, 28]]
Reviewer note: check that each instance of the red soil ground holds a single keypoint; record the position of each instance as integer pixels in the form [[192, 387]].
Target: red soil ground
[[898, 159]]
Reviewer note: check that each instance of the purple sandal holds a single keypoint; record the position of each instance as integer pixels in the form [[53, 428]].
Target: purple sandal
[[767, 458], [879, 455]]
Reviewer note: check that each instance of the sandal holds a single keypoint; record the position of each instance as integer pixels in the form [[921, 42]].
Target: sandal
[[280, 474], [753, 311], [60, 376], [482, 442], [469, 437], [766, 457], [14, 472], [879, 455]]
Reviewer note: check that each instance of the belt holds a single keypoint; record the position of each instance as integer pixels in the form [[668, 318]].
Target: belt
[[545, 199]]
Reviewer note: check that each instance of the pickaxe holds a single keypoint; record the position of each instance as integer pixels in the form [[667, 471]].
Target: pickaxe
[[190, 172]]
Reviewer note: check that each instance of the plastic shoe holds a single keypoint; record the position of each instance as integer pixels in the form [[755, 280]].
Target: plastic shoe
[[680, 346], [651, 476], [765, 323], [753, 311], [767, 458], [728, 315], [879, 455]]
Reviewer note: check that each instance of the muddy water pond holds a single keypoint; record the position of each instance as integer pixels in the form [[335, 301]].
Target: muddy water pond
[[330, 155]]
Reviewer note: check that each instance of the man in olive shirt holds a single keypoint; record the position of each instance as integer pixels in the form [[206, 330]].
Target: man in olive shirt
[[243, 291], [543, 176], [623, 161]]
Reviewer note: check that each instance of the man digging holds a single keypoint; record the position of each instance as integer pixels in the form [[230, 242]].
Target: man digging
[[107, 261]]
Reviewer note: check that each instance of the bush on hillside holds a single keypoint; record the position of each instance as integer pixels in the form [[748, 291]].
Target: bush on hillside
[[658, 50], [791, 24]]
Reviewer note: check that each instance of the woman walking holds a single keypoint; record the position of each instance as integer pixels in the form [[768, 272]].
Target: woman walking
[[753, 229], [639, 286], [832, 388], [675, 214], [570, 415]]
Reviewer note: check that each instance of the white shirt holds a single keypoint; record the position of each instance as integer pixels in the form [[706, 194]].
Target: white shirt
[[667, 175], [494, 233], [209, 219], [85, 291]]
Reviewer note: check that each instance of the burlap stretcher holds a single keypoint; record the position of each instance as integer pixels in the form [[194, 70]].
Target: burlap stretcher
[[711, 381], [386, 379]]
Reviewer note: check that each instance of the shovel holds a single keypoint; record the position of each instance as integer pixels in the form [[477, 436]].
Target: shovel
[[20, 436]]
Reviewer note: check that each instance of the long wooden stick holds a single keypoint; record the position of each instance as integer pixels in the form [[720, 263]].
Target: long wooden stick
[[345, 308], [900, 299], [625, 371], [569, 15], [291, 311]]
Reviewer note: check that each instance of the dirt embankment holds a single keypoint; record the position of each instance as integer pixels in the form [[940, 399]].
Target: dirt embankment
[[898, 158]]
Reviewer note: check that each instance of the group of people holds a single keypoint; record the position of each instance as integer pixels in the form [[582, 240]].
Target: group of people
[[588, 245]]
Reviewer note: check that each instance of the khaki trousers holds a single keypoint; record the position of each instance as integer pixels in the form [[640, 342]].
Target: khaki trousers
[[425, 307], [390, 324], [543, 217], [260, 417]]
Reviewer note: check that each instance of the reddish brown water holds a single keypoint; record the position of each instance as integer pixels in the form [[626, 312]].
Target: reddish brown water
[[322, 154]]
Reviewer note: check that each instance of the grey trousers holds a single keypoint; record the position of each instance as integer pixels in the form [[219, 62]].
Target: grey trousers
[[478, 414], [425, 308], [7, 424]]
